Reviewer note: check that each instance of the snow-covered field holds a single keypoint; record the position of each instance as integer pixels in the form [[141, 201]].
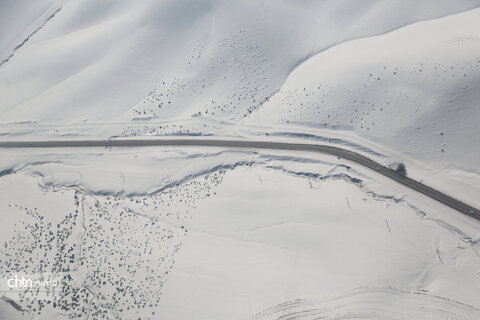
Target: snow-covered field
[[212, 233]]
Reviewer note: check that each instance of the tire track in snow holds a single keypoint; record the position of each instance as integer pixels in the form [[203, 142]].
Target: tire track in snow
[[372, 303]]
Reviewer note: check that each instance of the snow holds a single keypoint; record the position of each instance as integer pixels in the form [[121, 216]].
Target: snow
[[20, 20], [413, 91], [118, 68], [232, 233], [98, 59], [212, 233], [264, 242]]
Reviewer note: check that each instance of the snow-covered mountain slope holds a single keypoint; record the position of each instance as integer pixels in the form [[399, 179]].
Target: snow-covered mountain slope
[[211, 233], [414, 91], [407, 87], [20, 20], [97, 60]]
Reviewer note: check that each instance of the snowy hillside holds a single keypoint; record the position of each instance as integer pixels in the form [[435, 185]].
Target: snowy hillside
[[227, 233], [96, 60], [414, 91], [188, 67]]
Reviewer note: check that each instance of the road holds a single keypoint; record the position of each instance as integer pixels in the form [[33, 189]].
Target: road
[[265, 145]]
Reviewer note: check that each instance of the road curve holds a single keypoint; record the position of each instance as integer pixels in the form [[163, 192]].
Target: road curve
[[244, 144]]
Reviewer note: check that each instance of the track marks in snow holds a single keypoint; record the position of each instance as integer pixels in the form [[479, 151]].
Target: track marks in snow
[[372, 303]]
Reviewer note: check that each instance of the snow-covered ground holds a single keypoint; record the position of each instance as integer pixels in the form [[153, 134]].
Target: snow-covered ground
[[229, 234], [210, 233]]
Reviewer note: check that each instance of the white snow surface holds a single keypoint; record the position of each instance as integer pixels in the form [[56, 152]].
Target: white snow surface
[[400, 75], [95, 60], [229, 234], [414, 91], [211, 233]]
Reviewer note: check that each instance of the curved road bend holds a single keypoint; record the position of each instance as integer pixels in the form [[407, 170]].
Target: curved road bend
[[334, 151]]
